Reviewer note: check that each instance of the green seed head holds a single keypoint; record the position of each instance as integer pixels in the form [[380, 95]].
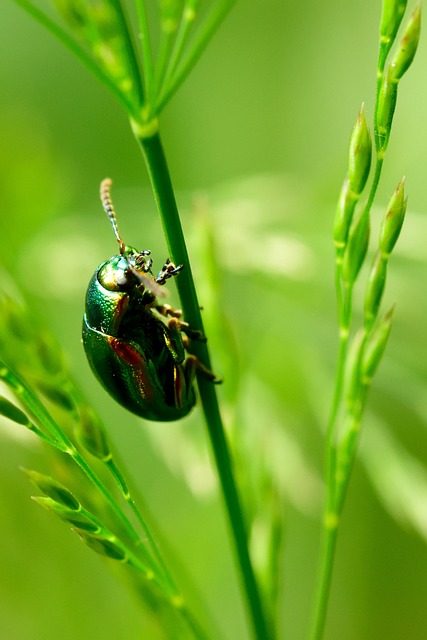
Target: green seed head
[[91, 434], [385, 111], [359, 160], [393, 220], [404, 55], [9, 410], [53, 489], [344, 214], [375, 288], [356, 248], [391, 17], [376, 346], [103, 546], [353, 370], [80, 520]]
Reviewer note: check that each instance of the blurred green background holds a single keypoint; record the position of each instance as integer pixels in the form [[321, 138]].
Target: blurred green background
[[257, 138]]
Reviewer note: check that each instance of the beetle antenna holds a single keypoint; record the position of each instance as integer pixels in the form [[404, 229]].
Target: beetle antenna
[[107, 204]]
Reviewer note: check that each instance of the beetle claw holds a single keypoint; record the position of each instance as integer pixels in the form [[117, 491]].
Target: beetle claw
[[193, 366]]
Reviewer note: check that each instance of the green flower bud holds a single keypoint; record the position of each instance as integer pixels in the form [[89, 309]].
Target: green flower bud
[[375, 287], [9, 410], [393, 220], [356, 248], [344, 214], [103, 546], [402, 59], [376, 347], [91, 434], [53, 489], [391, 17], [359, 160], [385, 112]]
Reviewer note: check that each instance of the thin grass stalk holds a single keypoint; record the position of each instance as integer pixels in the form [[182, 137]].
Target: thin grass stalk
[[145, 39], [164, 195], [131, 51], [198, 45], [181, 41], [72, 45]]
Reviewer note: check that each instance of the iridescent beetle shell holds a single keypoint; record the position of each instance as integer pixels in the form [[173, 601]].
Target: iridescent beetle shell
[[138, 357]]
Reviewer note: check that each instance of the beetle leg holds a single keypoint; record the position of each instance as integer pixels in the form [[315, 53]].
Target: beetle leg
[[167, 271], [192, 363], [181, 326], [176, 315], [193, 366], [167, 310], [173, 340]]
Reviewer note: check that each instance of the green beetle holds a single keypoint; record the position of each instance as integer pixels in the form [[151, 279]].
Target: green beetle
[[138, 357]]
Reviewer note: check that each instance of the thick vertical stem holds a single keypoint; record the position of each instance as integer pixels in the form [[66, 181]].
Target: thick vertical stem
[[165, 200]]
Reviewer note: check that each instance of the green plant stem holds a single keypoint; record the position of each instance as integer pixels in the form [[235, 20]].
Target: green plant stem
[[335, 495], [330, 520], [163, 191], [327, 554]]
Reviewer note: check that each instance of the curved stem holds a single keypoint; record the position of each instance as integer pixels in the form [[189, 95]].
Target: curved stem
[[163, 191]]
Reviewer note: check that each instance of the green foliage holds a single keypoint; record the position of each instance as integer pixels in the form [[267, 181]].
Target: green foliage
[[143, 56]]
